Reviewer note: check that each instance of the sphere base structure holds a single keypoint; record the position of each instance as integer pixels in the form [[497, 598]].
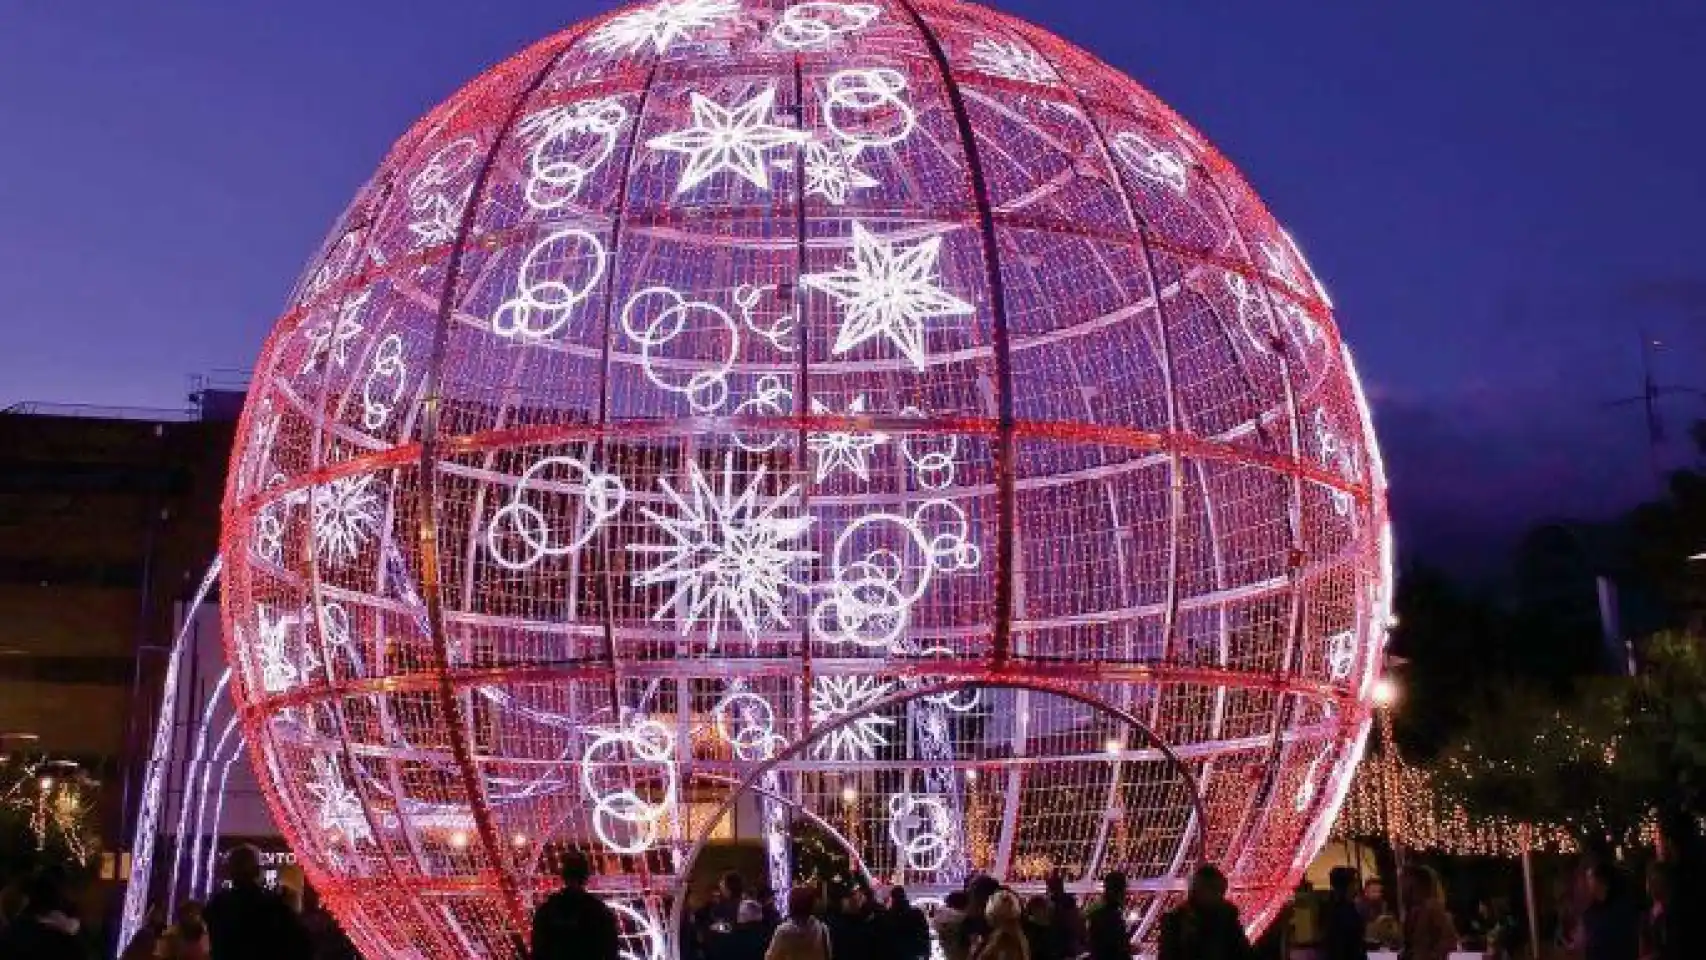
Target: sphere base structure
[[878, 419]]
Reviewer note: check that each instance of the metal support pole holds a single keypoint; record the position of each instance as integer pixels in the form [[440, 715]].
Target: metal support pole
[[1528, 892]]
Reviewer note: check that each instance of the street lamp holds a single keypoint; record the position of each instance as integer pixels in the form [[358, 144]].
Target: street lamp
[[1385, 693]]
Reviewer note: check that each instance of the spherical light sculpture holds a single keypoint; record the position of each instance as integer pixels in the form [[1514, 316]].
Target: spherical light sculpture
[[880, 418]]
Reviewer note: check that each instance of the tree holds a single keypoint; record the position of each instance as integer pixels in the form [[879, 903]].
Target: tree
[[45, 818], [1531, 756], [1665, 724]]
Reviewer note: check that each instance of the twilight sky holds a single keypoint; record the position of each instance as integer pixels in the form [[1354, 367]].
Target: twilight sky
[[1500, 195]]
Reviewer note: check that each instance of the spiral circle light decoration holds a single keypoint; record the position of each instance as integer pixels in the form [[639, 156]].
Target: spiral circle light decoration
[[749, 418]]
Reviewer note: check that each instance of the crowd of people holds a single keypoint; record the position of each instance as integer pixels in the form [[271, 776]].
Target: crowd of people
[[985, 921], [243, 921], [1609, 923]]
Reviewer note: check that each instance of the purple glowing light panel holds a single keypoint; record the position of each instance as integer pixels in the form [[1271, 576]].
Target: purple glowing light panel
[[746, 419]]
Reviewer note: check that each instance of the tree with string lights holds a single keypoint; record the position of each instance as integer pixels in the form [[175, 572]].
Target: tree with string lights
[[46, 816]]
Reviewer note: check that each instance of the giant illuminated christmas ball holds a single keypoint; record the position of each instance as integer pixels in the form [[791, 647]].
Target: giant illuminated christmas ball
[[875, 431]]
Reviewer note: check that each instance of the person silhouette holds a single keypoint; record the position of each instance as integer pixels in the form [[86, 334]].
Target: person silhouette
[[572, 924]]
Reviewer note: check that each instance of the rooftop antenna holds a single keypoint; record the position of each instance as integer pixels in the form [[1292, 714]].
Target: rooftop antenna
[[1651, 393]]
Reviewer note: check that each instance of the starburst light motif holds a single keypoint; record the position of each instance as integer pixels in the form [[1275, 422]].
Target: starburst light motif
[[330, 339], [888, 292], [346, 513], [440, 219], [660, 25], [733, 139], [339, 809], [729, 557], [837, 697], [830, 173], [1010, 60], [278, 669], [850, 450], [1153, 163], [1335, 454]]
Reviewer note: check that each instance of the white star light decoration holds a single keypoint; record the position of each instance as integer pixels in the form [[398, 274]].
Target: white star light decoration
[[830, 173], [729, 558], [837, 697], [733, 139], [277, 668], [1335, 454], [1153, 163], [440, 219], [330, 339], [339, 808], [850, 450], [1010, 60], [888, 291], [660, 25], [346, 513]]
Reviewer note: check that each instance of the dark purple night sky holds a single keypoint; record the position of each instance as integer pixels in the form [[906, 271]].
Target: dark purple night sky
[[1499, 195]]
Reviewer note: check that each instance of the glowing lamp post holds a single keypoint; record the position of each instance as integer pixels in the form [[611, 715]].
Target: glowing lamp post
[[1385, 693]]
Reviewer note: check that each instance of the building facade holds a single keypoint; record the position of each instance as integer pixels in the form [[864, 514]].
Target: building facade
[[107, 520]]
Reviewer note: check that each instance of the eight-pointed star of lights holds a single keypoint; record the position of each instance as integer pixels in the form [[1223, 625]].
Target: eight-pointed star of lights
[[888, 291], [733, 139], [660, 24], [345, 513], [1152, 162], [441, 216], [339, 808], [729, 555], [1011, 61], [331, 338], [850, 450], [837, 697], [830, 173], [278, 669]]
